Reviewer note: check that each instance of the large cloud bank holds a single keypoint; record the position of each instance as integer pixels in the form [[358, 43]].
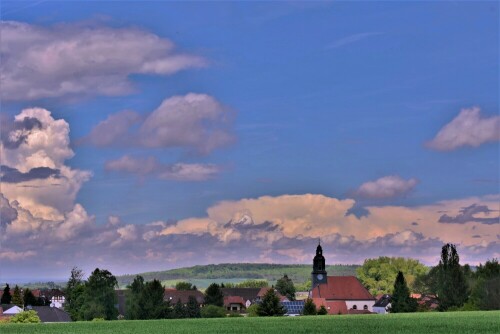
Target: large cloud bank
[[44, 229]]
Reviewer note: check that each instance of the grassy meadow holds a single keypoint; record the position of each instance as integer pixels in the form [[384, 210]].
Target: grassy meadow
[[428, 323]]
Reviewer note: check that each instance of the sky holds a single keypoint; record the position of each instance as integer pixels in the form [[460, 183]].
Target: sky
[[141, 136]]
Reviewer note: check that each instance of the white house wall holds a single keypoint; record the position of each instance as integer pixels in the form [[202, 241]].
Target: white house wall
[[360, 304]]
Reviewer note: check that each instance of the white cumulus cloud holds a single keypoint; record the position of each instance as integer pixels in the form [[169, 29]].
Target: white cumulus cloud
[[386, 187], [73, 59], [469, 128]]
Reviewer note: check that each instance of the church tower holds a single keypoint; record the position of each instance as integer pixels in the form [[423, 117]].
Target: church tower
[[319, 269]]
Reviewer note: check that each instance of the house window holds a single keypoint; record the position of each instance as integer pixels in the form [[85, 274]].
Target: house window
[[365, 307], [355, 307], [235, 308]]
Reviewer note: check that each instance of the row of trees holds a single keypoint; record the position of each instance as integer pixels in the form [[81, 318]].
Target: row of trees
[[21, 298], [455, 286], [459, 286]]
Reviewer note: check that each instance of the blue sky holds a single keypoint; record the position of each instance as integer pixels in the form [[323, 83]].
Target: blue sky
[[320, 98]]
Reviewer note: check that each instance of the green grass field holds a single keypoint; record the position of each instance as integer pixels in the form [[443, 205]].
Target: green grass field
[[428, 323]]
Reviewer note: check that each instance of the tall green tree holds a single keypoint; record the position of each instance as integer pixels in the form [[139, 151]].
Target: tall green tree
[[192, 308], [17, 299], [155, 306], [401, 301], [214, 296], [452, 286], [378, 275], [74, 293], [134, 307], [285, 287], [99, 297], [486, 290], [309, 307], [6, 297], [29, 298], [270, 305]]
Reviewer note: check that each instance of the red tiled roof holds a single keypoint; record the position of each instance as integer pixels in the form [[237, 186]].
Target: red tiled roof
[[263, 291], [342, 288], [233, 300], [333, 307]]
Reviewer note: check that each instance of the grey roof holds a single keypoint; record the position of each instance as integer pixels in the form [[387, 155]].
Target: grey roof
[[51, 314], [173, 296], [383, 301], [245, 293]]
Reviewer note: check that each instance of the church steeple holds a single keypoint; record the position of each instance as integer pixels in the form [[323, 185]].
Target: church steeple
[[319, 268]]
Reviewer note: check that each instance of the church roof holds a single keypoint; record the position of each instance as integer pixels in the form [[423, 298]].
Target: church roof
[[342, 288]]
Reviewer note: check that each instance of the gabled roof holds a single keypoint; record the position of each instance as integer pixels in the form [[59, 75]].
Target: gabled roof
[[233, 300], [13, 310], [173, 296], [245, 293], [263, 291], [383, 301], [341, 288], [51, 314]]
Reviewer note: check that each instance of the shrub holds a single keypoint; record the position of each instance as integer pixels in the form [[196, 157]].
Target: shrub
[[212, 311], [98, 319], [322, 310], [253, 310], [234, 315], [309, 307], [25, 317]]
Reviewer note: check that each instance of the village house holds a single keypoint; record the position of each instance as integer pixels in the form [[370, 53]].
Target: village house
[[234, 303], [383, 304], [249, 295]]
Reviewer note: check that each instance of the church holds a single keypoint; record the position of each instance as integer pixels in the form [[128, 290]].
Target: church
[[338, 294]]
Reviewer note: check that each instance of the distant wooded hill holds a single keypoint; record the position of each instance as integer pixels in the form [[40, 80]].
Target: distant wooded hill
[[202, 276]]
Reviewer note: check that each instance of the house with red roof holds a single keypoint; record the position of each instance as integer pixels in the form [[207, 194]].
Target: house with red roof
[[339, 294], [234, 303]]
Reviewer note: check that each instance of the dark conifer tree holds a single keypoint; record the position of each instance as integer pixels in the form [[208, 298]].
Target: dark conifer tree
[[179, 310], [192, 308], [270, 305], [309, 307], [17, 299], [6, 297], [29, 298], [401, 300]]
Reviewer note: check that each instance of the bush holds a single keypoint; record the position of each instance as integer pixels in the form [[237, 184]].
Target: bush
[[253, 310], [322, 310], [309, 307], [98, 319], [234, 315], [212, 311], [25, 317]]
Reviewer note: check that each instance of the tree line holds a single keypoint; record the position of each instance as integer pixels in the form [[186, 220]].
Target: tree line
[[454, 286]]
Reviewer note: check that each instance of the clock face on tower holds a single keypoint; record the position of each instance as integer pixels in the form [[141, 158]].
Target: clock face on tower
[[320, 277]]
